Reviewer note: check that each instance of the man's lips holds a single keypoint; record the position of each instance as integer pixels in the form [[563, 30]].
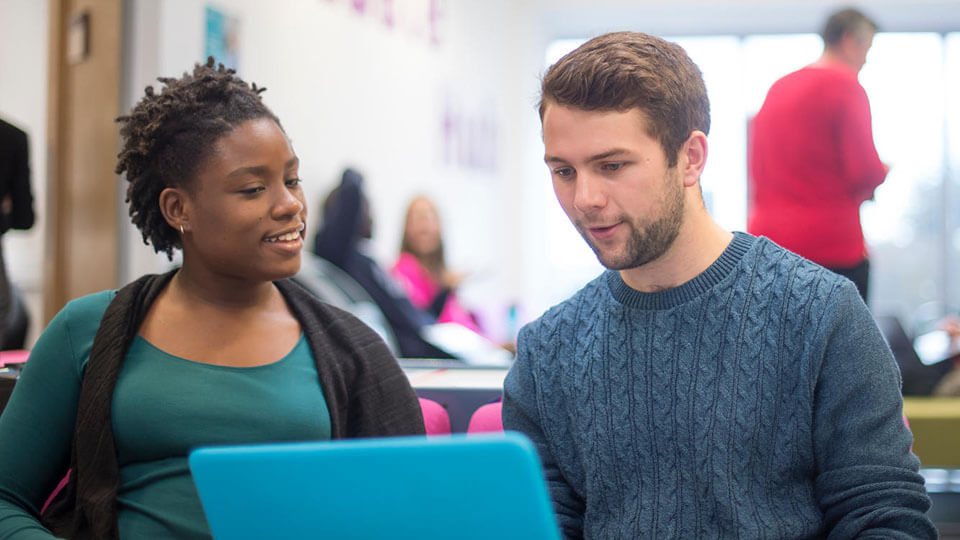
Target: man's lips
[[602, 232]]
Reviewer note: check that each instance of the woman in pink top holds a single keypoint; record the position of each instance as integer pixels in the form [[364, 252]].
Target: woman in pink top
[[421, 268]]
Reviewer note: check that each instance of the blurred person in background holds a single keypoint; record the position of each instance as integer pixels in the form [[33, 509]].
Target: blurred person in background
[[346, 227], [812, 160], [16, 212], [422, 269]]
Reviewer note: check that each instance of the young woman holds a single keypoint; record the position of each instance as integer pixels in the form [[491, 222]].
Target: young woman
[[224, 350], [422, 270]]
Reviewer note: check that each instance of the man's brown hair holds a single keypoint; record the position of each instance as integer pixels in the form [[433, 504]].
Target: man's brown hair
[[843, 22], [623, 70]]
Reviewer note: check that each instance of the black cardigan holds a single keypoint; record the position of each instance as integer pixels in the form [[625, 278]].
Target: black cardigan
[[367, 394]]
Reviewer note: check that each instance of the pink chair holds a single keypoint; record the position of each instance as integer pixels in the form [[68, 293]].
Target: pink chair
[[486, 418], [15, 356], [435, 417]]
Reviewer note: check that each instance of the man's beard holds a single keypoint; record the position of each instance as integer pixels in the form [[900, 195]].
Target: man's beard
[[647, 242]]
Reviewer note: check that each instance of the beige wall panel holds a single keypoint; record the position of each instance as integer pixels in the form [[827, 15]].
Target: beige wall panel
[[87, 101]]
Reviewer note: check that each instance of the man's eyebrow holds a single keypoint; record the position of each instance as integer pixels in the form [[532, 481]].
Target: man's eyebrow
[[596, 157], [607, 154], [553, 159]]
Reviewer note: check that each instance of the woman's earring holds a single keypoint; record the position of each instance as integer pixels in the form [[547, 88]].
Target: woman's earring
[[181, 229]]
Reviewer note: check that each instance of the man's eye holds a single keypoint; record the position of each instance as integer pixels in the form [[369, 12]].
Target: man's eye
[[612, 166], [563, 172]]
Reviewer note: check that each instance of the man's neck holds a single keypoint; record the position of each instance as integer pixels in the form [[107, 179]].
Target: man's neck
[[700, 242], [834, 59]]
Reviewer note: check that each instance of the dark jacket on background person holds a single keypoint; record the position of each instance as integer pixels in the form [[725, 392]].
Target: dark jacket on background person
[[15, 179], [16, 212]]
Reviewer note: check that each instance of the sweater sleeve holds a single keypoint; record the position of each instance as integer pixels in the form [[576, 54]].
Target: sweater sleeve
[[860, 163], [521, 413], [867, 484], [36, 428]]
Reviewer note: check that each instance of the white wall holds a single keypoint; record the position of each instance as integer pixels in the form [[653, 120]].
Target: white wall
[[354, 91], [23, 90], [349, 90]]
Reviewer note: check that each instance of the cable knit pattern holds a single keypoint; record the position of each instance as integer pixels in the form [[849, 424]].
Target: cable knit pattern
[[757, 400]]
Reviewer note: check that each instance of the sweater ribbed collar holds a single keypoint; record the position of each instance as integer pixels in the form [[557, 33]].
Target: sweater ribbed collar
[[714, 274]]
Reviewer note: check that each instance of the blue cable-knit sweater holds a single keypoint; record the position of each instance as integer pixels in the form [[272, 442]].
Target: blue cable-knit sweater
[[757, 400]]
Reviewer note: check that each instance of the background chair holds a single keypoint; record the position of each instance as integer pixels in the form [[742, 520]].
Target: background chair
[[435, 417], [486, 418]]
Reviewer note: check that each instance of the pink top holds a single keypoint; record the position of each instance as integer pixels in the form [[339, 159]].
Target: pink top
[[421, 288]]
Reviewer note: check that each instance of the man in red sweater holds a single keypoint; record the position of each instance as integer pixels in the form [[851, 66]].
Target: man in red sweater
[[812, 160]]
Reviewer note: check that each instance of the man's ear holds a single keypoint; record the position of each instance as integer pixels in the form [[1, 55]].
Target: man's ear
[[693, 158], [175, 207]]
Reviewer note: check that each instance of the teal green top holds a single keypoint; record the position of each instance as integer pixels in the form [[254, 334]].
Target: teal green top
[[163, 407]]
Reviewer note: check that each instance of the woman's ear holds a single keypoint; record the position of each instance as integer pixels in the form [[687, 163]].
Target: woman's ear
[[175, 208]]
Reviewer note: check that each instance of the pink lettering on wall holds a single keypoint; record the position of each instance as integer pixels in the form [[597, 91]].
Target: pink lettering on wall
[[424, 19], [470, 136]]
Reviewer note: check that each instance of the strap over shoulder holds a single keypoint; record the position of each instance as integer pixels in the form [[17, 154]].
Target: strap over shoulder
[[86, 507]]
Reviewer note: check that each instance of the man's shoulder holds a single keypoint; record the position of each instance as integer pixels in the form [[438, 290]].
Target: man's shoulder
[[801, 275], [568, 311]]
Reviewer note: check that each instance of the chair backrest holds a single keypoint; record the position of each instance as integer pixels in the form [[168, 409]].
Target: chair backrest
[[436, 420], [335, 287], [487, 418]]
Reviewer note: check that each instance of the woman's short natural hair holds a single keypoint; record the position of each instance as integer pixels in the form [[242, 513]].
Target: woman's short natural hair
[[625, 70], [168, 135]]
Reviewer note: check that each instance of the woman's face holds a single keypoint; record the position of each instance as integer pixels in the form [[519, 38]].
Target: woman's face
[[246, 212], [423, 227]]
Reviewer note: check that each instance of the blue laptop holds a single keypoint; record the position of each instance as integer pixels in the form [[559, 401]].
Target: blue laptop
[[465, 487]]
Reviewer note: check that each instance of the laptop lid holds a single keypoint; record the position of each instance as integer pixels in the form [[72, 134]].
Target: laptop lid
[[468, 487]]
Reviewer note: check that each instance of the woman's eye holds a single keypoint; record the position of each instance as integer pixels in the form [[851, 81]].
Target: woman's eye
[[252, 190], [293, 182]]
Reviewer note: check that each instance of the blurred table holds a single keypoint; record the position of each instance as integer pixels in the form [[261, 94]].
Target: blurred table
[[935, 423]]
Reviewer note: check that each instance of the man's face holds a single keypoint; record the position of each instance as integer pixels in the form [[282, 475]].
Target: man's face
[[612, 180]]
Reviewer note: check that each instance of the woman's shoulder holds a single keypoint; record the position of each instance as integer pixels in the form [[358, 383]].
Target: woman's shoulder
[[74, 327], [87, 309]]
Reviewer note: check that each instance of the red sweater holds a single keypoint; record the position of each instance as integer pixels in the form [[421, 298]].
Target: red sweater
[[812, 163]]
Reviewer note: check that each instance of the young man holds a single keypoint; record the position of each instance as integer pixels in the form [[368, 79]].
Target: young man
[[709, 384], [812, 158]]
